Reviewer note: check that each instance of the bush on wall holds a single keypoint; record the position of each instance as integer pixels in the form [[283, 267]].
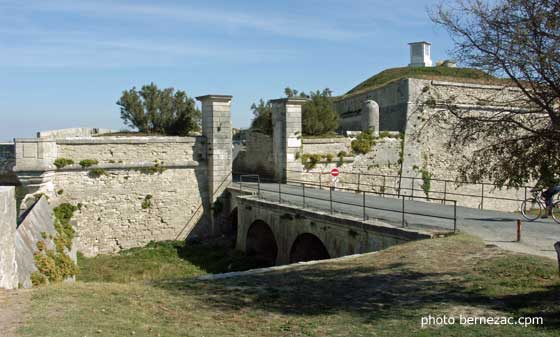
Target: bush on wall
[[163, 111]]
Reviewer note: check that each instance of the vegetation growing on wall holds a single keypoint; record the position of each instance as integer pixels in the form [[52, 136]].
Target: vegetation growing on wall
[[62, 162], [147, 202], [88, 163], [157, 168], [363, 143], [97, 172], [341, 156], [54, 265], [426, 181], [310, 160]]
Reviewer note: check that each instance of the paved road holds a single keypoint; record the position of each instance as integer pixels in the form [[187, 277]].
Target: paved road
[[498, 228]]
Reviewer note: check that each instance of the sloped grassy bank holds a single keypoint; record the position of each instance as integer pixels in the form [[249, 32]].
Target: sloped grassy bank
[[381, 294]]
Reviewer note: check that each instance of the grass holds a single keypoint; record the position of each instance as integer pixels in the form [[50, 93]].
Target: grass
[[383, 294], [433, 73], [163, 261]]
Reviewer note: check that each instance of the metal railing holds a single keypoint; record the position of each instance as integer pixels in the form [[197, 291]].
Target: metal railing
[[410, 189], [306, 192]]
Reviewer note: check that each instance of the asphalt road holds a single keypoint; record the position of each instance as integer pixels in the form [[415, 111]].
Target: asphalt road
[[498, 228]]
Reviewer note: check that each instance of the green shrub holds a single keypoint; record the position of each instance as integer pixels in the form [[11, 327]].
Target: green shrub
[[97, 172], [56, 265], [363, 143], [88, 162], [147, 203], [38, 279], [157, 168], [62, 162], [426, 181], [63, 213], [310, 161]]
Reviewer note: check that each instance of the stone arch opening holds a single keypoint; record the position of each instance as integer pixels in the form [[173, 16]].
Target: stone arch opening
[[308, 247], [261, 244]]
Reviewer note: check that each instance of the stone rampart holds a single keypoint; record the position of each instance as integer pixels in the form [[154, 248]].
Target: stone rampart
[[402, 166], [326, 145], [72, 132], [392, 99], [146, 188], [7, 163]]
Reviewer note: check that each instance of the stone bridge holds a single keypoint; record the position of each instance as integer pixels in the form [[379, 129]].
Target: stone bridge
[[280, 233]]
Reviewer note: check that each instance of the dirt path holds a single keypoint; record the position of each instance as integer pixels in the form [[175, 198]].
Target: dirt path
[[13, 309]]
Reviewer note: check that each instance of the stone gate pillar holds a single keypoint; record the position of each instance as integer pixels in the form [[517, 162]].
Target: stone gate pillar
[[35, 166], [286, 138], [216, 126], [8, 265]]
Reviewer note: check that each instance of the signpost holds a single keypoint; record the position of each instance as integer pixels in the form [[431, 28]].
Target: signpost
[[334, 177]]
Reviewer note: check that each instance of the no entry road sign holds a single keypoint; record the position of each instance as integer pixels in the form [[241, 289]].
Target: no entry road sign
[[335, 172]]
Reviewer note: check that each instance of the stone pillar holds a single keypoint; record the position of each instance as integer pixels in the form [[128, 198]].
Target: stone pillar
[[35, 166], [216, 126], [286, 137], [8, 265], [370, 117]]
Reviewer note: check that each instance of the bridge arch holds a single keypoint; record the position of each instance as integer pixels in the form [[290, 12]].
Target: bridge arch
[[308, 247], [261, 244]]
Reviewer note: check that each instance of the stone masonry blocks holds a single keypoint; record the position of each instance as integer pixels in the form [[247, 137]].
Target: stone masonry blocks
[[8, 265], [286, 142]]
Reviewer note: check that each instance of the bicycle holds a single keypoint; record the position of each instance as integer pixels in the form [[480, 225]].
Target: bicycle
[[532, 207]]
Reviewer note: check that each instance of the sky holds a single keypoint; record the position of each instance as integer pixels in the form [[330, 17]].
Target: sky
[[65, 63]]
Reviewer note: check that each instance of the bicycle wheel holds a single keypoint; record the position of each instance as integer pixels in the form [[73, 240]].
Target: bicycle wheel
[[556, 211], [531, 209]]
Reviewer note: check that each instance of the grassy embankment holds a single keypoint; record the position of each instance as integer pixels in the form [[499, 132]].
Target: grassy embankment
[[383, 294], [466, 75]]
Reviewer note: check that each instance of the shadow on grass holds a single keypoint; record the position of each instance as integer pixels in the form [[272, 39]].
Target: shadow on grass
[[371, 293]]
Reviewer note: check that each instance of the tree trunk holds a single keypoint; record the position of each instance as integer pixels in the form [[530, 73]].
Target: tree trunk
[[557, 247]]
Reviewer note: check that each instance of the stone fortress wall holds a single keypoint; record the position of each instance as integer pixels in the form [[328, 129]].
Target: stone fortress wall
[[139, 188], [7, 163], [150, 190], [395, 164]]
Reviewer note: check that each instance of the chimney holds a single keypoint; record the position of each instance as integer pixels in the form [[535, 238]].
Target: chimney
[[420, 54]]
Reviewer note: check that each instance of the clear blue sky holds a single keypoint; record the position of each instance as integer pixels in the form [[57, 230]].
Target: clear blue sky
[[65, 63]]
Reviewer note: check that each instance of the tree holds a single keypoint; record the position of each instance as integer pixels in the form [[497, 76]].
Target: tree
[[520, 41], [166, 111], [262, 117], [318, 115]]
